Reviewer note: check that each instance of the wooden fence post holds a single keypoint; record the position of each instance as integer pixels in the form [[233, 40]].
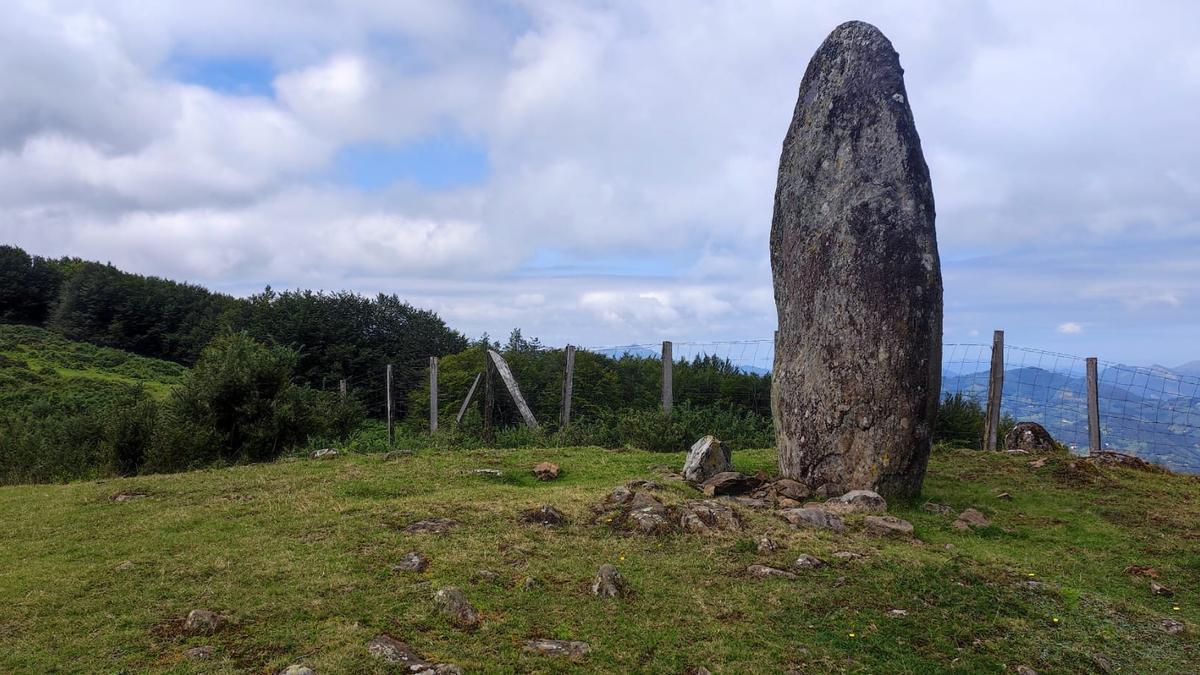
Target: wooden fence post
[[514, 389], [467, 401], [489, 399], [1093, 406], [433, 394], [342, 389], [991, 423], [391, 423], [568, 388], [668, 361]]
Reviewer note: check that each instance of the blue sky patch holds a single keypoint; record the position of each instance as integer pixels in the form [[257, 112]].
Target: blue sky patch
[[240, 76], [447, 160]]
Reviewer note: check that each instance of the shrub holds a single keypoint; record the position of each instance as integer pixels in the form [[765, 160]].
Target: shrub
[[959, 422]]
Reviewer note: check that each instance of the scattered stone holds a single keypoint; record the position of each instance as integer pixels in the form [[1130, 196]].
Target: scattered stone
[[546, 471], [490, 473], [1029, 436], [1034, 585], [888, 526], [396, 454], [431, 526], [297, 669], [619, 495], [324, 453], [648, 515], [642, 484], [608, 583], [857, 501], [485, 577], [814, 518], [707, 458], [392, 650], [1005, 496], [1102, 663], [128, 496], [199, 653], [847, 555], [765, 572], [202, 621], [898, 613], [125, 566], [766, 544], [455, 606], [729, 483], [787, 503], [543, 515], [1038, 463], [970, 519], [701, 670], [531, 584], [937, 508], [1158, 589], [753, 502], [790, 489], [828, 491], [1110, 458], [807, 562], [411, 562], [853, 257], [569, 648], [1026, 670], [708, 516], [1171, 626]]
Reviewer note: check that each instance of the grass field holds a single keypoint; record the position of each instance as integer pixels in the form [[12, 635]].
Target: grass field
[[298, 555]]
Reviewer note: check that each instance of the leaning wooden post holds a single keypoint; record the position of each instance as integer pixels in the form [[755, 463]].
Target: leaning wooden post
[[1093, 404], [467, 401], [342, 389], [991, 424], [390, 421], [568, 388], [433, 394], [668, 360], [489, 399]]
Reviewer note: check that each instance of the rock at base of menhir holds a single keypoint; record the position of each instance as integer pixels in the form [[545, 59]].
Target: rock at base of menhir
[[729, 483], [857, 278], [707, 458], [1030, 437]]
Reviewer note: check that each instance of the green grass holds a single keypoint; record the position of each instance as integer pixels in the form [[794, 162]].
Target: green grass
[[298, 554], [40, 368]]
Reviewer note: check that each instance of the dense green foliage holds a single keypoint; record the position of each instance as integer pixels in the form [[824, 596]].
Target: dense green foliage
[[960, 422], [616, 401], [71, 410], [336, 335]]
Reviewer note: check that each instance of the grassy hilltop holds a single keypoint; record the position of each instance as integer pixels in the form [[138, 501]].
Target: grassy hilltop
[[298, 555]]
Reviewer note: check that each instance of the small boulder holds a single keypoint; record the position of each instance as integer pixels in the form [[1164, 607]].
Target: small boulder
[[888, 526], [765, 544], [546, 471], [814, 518], [941, 509], [642, 484], [1030, 437], [788, 503], [431, 526], [297, 669], [807, 562], [568, 648], [531, 584], [708, 516], [489, 473], [202, 621], [485, 577], [828, 490], [543, 515], [391, 650], [411, 562], [1026, 670], [847, 555], [454, 606], [124, 566], [1171, 626], [608, 583], [647, 515], [707, 458], [324, 453], [619, 495], [857, 501], [765, 572], [1158, 589], [898, 613], [790, 489], [970, 519], [729, 483], [199, 653]]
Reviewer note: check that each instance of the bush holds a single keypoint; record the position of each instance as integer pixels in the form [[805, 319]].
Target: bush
[[959, 422]]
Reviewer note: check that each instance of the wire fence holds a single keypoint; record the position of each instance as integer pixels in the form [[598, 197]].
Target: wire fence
[[1153, 413]]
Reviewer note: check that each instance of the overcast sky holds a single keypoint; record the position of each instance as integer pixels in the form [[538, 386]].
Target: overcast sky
[[603, 173]]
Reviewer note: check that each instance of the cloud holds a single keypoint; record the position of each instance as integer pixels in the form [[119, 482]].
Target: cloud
[[1069, 328], [636, 143]]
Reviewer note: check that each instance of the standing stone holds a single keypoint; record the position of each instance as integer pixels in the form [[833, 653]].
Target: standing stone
[[858, 285], [707, 458]]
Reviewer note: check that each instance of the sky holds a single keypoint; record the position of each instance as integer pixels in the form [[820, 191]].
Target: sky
[[603, 173]]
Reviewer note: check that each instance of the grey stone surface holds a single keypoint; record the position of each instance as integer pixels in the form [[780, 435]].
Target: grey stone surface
[[543, 515], [297, 669], [814, 518], [729, 483], [708, 516], [608, 582], [456, 608], [857, 277], [807, 562], [888, 526], [1029, 436], [394, 651], [857, 501], [411, 562], [568, 648], [765, 572], [202, 621], [707, 458]]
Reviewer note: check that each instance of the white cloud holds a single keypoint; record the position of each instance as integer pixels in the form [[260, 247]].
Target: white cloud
[[1069, 328]]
